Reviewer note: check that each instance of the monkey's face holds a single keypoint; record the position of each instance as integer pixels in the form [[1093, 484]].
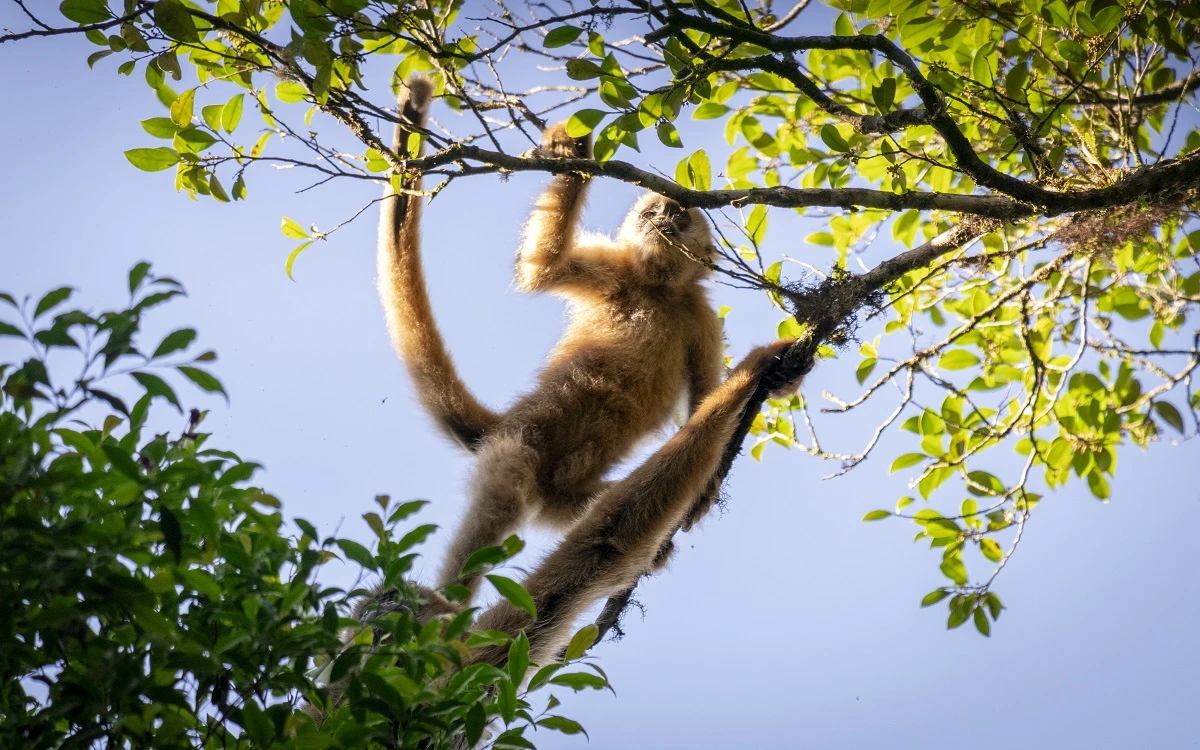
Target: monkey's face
[[660, 226]]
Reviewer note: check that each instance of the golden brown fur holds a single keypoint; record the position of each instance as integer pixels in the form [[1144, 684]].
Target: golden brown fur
[[405, 301], [641, 334], [619, 536]]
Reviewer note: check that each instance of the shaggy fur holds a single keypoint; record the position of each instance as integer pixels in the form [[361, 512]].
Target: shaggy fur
[[641, 333]]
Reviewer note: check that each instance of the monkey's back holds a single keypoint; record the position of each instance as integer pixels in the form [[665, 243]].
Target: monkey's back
[[615, 376]]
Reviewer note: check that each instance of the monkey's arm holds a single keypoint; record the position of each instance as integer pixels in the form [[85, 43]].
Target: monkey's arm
[[706, 360], [410, 321], [622, 532], [550, 258], [706, 365]]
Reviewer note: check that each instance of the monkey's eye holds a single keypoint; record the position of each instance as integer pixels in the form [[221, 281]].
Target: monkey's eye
[[648, 215]]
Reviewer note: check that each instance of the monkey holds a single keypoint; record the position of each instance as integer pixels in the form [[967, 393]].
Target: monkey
[[618, 537], [641, 333]]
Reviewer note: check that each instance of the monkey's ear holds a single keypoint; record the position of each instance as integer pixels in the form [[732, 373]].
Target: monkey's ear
[[556, 143]]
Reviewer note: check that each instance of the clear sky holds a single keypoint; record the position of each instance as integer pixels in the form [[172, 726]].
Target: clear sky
[[786, 622]]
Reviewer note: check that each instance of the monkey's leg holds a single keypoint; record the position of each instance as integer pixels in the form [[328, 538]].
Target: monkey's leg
[[626, 527], [504, 494]]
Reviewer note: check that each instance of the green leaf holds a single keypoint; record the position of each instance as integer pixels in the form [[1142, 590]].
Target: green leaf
[[1107, 19], [404, 510], [991, 549], [175, 341], [160, 127], [487, 557], [562, 724], [1071, 51], [833, 139], [983, 483], [506, 701], [231, 115], [669, 135], [1169, 414], [907, 460], [942, 527], [865, 368], [561, 37], [581, 642], [710, 111], [876, 515], [172, 532], [212, 115], [203, 379], [700, 170], [884, 95], [85, 11], [156, 386], [217, 190], [8, 329], [958, 359], [542, 676], [258, 724], [96, 57], [291, 229], [981, 622], [514, 593], [415, 537], [584, 121], [993, 604], [290, 92], [203, 582], [953, 568], [933, 597], [137, 274], [518, 658], [291, 259], [756, 224], [580, 681], [173, 18], [582, 70], [474, 723], [238, 473], [357, 553], [152, 159], [52, 298]]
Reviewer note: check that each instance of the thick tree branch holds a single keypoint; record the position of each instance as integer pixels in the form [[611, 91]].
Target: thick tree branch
[[1176, 176], [838, 305]]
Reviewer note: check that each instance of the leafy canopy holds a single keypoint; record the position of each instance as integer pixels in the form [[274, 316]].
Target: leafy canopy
[[1034, 162]]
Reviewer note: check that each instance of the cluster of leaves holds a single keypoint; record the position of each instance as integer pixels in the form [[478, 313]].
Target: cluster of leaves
[[149, 596]]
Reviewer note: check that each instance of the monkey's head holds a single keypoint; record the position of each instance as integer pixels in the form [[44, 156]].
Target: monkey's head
[[670, 234]]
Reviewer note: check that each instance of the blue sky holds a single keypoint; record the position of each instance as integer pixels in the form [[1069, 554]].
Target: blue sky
[[784, 622]]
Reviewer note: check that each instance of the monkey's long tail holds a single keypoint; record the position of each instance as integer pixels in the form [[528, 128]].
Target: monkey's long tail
[[414, 331]]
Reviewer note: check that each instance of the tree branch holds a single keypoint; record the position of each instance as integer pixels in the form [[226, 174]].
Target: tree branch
[[838, 304], [51, 31]]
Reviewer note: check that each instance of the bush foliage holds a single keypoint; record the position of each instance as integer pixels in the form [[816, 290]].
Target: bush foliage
[[152, 596]]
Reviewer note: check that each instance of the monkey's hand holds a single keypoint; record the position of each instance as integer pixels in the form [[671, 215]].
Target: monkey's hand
[[556, 144], [794, 357]]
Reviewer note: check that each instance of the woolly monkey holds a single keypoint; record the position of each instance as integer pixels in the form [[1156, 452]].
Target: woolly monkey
[[641, 333], [619, 535]]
